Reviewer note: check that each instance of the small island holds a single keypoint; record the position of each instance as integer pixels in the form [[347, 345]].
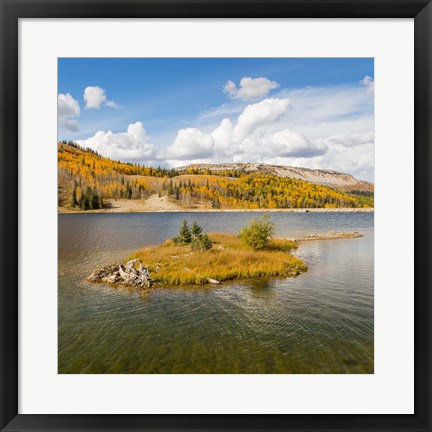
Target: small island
[[197, 258]]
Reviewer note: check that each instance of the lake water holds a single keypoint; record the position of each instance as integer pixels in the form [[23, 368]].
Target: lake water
[[320, 322]]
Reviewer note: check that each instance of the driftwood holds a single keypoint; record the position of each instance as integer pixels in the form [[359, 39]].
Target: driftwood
[[209, 280], [131, 274]]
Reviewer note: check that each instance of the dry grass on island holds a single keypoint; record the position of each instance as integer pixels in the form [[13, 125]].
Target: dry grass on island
[[197, 258], [228, 259]]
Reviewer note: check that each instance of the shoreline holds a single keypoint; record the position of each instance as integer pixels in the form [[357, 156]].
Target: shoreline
[[296, 210]]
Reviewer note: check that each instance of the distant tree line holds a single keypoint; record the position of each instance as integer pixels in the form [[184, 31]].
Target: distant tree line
[[362, 193], [260, 191]]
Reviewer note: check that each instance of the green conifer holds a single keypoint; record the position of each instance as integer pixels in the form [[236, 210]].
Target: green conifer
[[196, 230], [171, 188], [184, 236], [74, 197], [206, 242]]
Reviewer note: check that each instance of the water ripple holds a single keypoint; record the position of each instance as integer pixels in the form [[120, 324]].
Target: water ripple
[[319, 322]]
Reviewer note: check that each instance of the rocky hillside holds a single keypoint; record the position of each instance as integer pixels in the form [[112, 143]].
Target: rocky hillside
[[333, 179]]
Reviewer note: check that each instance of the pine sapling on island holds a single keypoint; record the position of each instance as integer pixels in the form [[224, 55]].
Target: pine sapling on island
[[193, 236]]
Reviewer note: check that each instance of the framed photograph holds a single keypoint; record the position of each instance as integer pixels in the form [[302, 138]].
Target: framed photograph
[[215, 215]]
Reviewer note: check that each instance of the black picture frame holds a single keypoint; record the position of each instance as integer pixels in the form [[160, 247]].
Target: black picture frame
[[12, 10]]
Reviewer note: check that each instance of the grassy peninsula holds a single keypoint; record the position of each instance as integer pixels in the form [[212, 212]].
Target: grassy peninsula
[[195, 257], [229, 258]]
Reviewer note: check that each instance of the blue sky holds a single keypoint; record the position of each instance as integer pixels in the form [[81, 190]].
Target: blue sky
[[304, 112]]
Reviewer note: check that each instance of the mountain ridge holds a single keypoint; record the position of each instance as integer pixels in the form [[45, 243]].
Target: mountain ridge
[[312, 175]]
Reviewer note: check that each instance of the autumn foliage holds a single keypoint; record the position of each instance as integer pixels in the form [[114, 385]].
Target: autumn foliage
[[83, 171]]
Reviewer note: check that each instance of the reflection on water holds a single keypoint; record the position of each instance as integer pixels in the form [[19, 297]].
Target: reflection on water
[[319, 322]]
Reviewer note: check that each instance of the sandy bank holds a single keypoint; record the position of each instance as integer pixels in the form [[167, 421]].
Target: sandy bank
[[328, 236], [162, 204]]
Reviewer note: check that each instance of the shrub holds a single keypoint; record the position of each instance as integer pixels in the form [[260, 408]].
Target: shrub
[[258, 233]]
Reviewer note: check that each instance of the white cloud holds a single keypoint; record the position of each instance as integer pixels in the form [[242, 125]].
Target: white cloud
[[250, 138], [191, 142], [318, 112], [258, 114], [230, 88], [264, 145], [287, 143], [67, 110], [223, 138], [111, 104], [326, 128], [350, 140], [357, 160], [322, 111], [132, 145], [369, 83], [67, 106], [320, 127], [250, 88], [95, 97]]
